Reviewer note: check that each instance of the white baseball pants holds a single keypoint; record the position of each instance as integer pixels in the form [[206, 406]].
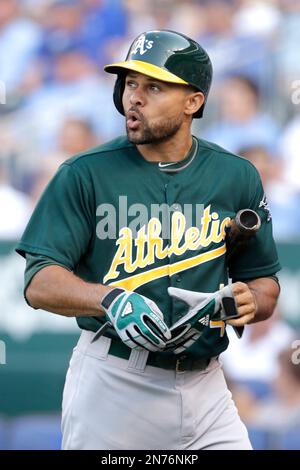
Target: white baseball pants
[[111, 403]]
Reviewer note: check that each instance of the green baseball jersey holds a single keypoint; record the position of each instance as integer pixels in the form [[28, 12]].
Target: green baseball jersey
[[113, 217]]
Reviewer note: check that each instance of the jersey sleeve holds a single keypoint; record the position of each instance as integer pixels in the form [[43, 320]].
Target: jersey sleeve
[[61, 226], [34, 263], [259, 257]]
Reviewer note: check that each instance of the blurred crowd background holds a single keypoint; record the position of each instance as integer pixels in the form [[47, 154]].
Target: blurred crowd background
[[56, 101]]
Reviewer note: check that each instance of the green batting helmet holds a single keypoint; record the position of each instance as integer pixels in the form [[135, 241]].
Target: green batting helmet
[[168, 56]]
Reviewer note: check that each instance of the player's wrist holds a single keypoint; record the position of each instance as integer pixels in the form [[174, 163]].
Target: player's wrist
[[108, 298], [105, 297]]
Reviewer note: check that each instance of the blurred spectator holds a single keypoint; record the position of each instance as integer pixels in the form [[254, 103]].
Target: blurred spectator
[[287, 49], [188, 18], [139, 17], [283, 200], [289, 147], [43, 174], [253, 358], [75, 137], [282, 409], [233, 50], [15, 207], [242, 124], [104, 22], [20, 40], [62, 28], [76, 91], [90, 23], [257, 18]]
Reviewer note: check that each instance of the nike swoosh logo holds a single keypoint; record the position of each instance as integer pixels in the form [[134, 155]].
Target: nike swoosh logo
[[163, 165]]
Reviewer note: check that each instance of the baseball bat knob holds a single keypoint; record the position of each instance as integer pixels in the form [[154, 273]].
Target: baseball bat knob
[[247, 221]]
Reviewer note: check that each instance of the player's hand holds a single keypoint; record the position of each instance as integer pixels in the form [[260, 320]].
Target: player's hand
[[137, 320], [203, 307], [245, 303]]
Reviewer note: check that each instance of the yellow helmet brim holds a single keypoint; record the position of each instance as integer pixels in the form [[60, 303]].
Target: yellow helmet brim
[[145, 68]]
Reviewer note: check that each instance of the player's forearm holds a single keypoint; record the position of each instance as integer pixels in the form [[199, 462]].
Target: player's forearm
[[58, 290], [266, 292]]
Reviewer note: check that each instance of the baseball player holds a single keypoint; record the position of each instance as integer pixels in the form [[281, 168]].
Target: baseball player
[[129, 238]]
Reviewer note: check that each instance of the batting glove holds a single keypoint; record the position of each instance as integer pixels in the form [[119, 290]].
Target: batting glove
[[203, 307], [137, 320]]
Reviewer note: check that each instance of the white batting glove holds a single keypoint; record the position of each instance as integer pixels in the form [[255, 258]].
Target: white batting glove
[[203, 307]]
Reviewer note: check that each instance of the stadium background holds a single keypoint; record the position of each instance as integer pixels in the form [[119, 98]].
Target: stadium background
[[55, 101]]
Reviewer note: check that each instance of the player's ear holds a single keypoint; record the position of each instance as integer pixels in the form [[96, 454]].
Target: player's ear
[[194, 101]]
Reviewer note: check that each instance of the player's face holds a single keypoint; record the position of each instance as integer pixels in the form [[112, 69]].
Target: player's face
[[154, 109]]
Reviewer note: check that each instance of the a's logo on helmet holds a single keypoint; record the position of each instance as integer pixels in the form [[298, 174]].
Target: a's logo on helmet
[[141, 45]]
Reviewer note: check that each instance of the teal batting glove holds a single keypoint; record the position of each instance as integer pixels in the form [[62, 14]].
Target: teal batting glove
[[137, 320]]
